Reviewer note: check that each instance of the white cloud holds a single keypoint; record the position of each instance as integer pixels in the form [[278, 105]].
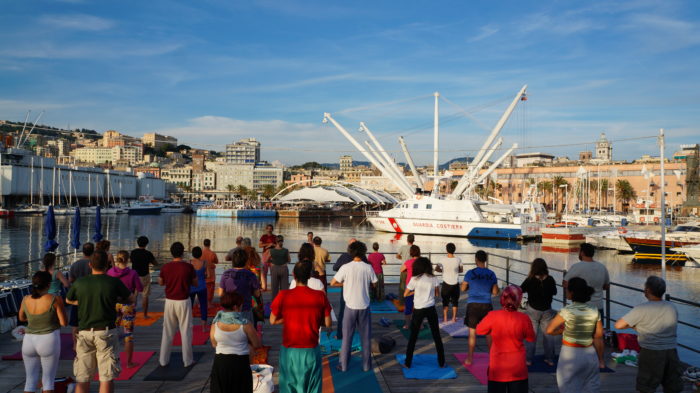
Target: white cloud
[[51, 50], [77, 22], [485, 32]]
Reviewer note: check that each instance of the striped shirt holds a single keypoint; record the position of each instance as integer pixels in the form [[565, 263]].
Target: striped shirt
[[580, 321]]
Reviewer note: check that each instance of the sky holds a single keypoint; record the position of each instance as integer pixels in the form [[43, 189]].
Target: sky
[[214, 71]]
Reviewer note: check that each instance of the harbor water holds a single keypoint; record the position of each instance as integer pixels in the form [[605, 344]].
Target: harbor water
[[22, 239]]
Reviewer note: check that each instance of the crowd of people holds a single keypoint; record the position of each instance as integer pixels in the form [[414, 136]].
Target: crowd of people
[[103, 292]]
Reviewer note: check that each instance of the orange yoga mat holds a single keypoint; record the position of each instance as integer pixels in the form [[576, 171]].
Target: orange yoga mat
[[153, 317]]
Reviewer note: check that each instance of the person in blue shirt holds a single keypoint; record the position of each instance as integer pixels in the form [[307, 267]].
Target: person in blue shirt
[[480, 284]]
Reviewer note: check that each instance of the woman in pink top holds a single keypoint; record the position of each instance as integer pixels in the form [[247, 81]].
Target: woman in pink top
[[377, 259], [126, 313], [407, 267], [508, 329]]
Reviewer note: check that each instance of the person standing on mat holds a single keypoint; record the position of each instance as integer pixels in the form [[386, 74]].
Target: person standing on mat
[[480, 284], [578, 369], [377, 259], [540, 288], [178, 277], [200, 290], [279, 272], [450, 266], [58, 280], [508, 328], [404, 253], [407, 268], [78, 269], [232, 335], [141, 261], [302, 312], [321, 258], [356, 277], [211, 260], [266, 243], [97, 349], [241, 280], [343, 259], [41, 347], [126, 312], [423, 287], [656, 321]]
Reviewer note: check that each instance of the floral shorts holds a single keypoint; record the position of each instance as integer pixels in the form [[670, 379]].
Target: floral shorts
[[126, 313]]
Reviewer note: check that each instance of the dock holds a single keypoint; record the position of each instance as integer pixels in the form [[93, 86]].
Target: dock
[[387, 371]]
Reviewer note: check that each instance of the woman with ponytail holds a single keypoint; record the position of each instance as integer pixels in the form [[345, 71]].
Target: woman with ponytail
[[41, 346], [508, 329], [580, 326], [58, 280]]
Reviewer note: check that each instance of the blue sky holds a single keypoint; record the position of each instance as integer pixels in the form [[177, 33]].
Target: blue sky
[[210, 72]]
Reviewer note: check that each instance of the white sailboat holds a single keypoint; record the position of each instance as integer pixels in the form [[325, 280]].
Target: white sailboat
[[462, 213], [31, 209]]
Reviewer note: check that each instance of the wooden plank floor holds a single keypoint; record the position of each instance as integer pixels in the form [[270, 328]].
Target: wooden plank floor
[[388, 372]]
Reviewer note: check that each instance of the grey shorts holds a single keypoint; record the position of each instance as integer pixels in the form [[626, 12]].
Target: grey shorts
[[659, 367]]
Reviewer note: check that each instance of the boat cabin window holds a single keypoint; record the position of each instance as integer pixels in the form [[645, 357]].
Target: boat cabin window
[[686, 228], [428, 206], [415, 206]]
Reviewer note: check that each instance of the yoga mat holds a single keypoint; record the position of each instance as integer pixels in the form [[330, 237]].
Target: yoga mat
[[267, 309], [423, 334], [127, 373], [199, 336], [260, 355], [400, 307], [425, 367], [175, 370], [334, 289], [211, 311], [354, 379], [455, 329], [330, 344], [479, 366], [153, 317], [67, 352], [383, 307]]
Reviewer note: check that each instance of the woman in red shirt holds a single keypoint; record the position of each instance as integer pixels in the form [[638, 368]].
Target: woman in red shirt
[[507, 328]]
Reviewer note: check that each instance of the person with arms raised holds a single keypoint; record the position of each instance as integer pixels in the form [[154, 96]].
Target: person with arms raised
[[302, 312]]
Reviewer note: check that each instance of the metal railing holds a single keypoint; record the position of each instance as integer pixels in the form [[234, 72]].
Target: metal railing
[[511, 267]]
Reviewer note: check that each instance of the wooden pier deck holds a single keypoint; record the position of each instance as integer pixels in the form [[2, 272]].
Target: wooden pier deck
[[388, 372]]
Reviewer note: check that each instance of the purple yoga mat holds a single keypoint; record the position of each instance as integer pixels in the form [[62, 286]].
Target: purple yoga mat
[[455, 329], [67, 352]]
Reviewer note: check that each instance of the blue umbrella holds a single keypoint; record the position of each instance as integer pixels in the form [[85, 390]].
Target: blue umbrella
[[50, 231], [75, 230], [98, 225]]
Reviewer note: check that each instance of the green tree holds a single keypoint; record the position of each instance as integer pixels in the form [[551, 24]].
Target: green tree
[[268, 191], [242, 190], [625, 192]]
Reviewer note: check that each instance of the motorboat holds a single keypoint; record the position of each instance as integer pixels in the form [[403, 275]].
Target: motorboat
[[144, 206], [692, 252], [172, 208], [647, 248]]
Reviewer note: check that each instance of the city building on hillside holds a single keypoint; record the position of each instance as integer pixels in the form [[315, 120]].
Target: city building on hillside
[[345, 163], [113, 138], [585, 156], [158, 141], [603, 150], [198, 162], [533, 159], [245, 151], [253, 177], [100, 155], [203, 181], [153, 171], [182, 176]]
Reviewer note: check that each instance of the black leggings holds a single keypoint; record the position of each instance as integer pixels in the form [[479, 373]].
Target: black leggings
[[416, 321], [520, 386]]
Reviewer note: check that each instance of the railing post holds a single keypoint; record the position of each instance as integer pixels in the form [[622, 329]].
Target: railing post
[[563, 290], [507, 270], [607, 308]]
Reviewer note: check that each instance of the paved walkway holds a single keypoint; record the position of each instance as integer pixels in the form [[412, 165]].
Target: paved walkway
[[387, 371]]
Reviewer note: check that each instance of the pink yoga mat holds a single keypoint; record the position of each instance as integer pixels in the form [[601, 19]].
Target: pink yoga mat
[[199, 337], [139, 357], [479, 366], [67, 352]]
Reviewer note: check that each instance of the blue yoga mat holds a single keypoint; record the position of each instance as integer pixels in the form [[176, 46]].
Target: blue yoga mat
[[354, 379], [426, 367], [331, 344], [334, 289], [539, 366], [383, 307]]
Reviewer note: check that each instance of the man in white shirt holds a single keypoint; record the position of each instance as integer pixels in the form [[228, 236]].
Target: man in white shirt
[[356, 277], [451, 267]]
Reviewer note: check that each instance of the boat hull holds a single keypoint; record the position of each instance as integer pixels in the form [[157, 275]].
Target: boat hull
[[648, 251], [485, 230], [144, 211]]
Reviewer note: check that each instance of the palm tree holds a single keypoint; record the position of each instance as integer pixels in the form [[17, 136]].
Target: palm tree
[[546, 187], [242, 190], [625, 192], [558, 181], [268, 191], [604, 187]]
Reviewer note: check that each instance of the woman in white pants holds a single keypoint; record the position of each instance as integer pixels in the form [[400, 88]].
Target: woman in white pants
[[41, 347]]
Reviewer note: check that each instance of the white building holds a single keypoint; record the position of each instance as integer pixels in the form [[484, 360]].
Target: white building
[[533, 159], [345, 163], [603, 149], [254, 177], [182, 176], [203, 181], [101, 155], [245, 151], [156, 140]]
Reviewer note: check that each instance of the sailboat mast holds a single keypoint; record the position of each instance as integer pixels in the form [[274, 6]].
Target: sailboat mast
[[70, 188], [53, 186], [31, 185], [436, 140]]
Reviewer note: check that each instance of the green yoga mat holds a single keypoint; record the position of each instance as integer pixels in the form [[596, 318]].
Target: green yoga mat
[[354, 379], [423, 334]]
